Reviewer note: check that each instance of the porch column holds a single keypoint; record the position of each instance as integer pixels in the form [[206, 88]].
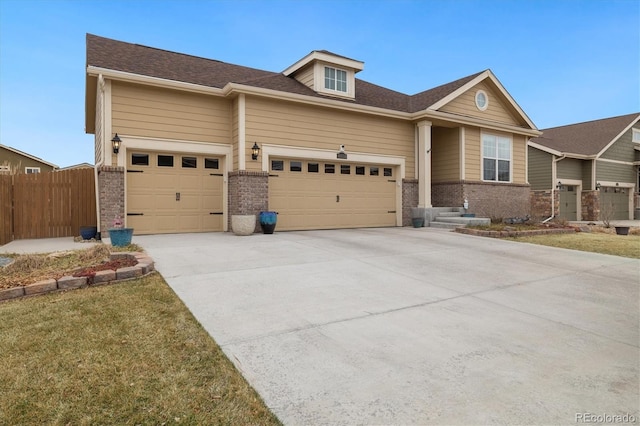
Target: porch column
[[424, 164]]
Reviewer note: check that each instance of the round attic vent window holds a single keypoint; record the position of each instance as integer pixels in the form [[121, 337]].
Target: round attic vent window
[[482, 101]]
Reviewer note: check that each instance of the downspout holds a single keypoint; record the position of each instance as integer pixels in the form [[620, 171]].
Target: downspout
[[100, 160], [554, 178]]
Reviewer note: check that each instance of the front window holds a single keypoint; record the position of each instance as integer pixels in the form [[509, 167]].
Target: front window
[[32, 169], [496, 158], [335, 79]]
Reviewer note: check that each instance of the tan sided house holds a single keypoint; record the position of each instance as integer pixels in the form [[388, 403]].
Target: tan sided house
[[15, 161], [587, 169], [333, 151]]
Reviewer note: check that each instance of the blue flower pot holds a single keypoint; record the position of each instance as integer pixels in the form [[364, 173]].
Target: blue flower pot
[[268, 221], [120, 237], [88, 232]]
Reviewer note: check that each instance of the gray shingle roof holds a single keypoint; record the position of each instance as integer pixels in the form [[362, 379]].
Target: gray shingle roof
[[588, 138], [137, 59]]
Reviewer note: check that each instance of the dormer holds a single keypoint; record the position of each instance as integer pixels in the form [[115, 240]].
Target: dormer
[[327, 73]]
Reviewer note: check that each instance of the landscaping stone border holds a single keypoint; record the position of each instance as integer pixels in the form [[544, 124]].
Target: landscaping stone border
[[515, 233], [144, 266]]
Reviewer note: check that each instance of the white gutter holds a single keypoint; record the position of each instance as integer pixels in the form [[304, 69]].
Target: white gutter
[[554, 178]]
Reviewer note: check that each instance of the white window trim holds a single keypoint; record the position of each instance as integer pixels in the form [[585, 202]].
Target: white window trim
[[5, 168], [32, 169], [635, 135], [482, 135], [319, 81], [336, 80], [486, 98]]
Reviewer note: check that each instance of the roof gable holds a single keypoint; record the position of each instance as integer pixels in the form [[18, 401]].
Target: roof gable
[[590, 138], [29, 156]]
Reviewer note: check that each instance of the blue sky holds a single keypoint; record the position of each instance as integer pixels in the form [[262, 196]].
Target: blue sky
[[562, 61]]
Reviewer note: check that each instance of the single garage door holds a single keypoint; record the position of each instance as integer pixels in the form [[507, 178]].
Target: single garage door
[[615, 201], [568, 198], [311, 194], [172, 192]]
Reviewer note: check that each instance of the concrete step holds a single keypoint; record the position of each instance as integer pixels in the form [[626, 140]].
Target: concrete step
[[464, 220], [445, 225], [449, 214]]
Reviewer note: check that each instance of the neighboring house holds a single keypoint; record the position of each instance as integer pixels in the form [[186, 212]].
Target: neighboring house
[[188, 126], [77, 166], [588, 169], [16, 161]]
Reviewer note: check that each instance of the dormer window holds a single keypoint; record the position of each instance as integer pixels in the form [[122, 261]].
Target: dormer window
[[327, 73], [335, 79]]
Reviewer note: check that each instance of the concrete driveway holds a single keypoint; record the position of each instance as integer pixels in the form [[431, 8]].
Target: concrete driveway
[[415, 326]]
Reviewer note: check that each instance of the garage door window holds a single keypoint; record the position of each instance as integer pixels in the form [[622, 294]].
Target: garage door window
[[345, 169], [330, 168], [189, 162], [165, 160], [211, 163], [388, 171], [295, 166], [277, 165], [140, 159], [374, 171], [360, 170], [313, 167]]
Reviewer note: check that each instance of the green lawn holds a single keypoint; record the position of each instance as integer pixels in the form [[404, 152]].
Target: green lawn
[[127, 353]]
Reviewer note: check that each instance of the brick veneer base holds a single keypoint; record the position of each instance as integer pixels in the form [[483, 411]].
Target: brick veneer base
[[248, 194], [486, 199], [111, 196], [144, 266], [409, 199]]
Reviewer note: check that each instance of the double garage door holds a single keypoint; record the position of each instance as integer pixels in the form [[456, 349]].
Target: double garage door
[[172, 192], [311, 194]]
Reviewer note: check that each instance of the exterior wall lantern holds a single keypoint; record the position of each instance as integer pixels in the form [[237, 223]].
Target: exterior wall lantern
[[116, 143], [559, 185], [255, 150], [598, 186]]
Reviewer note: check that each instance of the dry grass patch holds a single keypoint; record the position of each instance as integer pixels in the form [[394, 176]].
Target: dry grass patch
[[601, 240], [30, 268], [128, 353]]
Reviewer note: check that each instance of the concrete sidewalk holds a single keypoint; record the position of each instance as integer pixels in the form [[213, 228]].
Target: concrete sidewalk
[[414, 326]]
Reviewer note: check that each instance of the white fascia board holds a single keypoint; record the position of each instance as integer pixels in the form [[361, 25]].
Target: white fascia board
[[154, 81], [232, 88], [476, 122], [614, 140], [324, 57], [486, 74], [544, 148]]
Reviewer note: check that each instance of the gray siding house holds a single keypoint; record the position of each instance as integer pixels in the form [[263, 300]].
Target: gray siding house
[[585, 170]]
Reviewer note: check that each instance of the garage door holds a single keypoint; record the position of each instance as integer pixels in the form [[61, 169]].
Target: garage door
[[616, 199], [568, 199], [172, 192], [323, 195]]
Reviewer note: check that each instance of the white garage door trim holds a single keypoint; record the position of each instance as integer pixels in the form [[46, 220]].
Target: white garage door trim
[[269, 150], [174, 145], [631, 187]]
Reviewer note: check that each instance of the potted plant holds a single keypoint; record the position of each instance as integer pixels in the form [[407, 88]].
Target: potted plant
[[268, 221], [88, 232], [119, 235]]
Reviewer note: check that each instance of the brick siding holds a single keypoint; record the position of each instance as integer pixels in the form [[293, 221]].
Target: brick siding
[[590, 205], [248, 194], [111, 195], [540, 204], [409, 199], [486, 199]]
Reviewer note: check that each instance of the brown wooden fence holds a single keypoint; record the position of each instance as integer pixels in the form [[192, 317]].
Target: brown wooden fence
[[47, 205]]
